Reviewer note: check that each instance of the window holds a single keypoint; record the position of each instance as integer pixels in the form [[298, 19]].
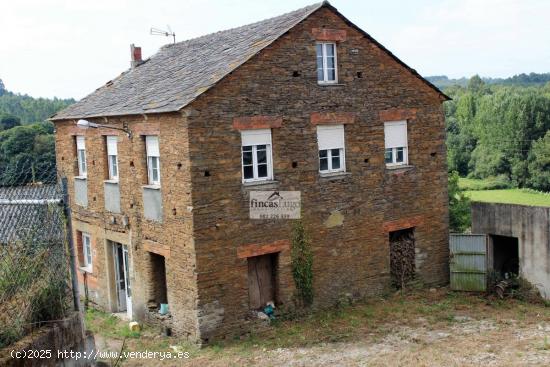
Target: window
[[331, 148], [153, 159], [326, 63], [256, 155], [395, 136], [81, 156], [87, 250], [112, 159]]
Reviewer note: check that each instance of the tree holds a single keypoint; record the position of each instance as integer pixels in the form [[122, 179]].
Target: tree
[[459, 206], [27, 154], [539, 164], [8, 121]]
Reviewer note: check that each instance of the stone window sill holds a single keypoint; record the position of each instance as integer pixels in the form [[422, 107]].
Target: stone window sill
[[330, 84], [110, 181], [402, 167], [334, 175], [260, 183], [80, 177], [86, 269], [151, 187]]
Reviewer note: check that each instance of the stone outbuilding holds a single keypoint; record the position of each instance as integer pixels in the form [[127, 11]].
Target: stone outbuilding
[[518, 240], [162, 161]]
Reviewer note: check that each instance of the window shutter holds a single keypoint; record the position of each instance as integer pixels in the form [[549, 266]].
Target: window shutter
[[112, 145], [395, 134], [256, 137], [330, 136], [152, 145], [80, 143]]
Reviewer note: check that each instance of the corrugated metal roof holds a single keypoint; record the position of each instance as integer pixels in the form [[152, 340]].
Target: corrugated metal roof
[[24, 218]]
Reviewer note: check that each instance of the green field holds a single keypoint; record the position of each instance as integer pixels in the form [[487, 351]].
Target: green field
[[481, 190]]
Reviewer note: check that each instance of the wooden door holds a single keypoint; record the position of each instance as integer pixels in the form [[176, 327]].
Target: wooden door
[[261, 280]]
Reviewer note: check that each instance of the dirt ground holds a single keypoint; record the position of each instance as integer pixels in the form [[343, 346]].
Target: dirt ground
[[421, 328]]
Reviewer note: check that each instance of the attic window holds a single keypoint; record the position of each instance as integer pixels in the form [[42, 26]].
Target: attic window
[[326, 63]]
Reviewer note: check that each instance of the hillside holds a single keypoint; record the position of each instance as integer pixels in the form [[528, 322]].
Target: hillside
[[27, 108], [531, 79]]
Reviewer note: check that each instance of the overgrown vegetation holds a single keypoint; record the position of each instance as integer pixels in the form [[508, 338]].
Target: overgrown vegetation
[[33, 287], [302, 264]]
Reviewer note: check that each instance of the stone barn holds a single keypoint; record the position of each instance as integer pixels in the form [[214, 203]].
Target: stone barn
[[162, 160]]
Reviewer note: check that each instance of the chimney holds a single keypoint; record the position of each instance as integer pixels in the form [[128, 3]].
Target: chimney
[[135, 54]]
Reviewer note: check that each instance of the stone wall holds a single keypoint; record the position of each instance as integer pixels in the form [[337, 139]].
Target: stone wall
[[348, 216], [62, 335], [142, 236]]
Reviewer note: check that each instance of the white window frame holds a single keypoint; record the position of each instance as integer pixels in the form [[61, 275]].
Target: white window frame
[[87, 251], [337, 142], [112, 157], [394, 147], [152, 146], [325, 68], [254, 138], [81, 156]]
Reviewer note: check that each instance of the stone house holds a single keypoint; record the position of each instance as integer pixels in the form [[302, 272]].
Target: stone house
[[160, 180]]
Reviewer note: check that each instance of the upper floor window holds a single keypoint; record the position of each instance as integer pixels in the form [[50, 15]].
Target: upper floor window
[[112, 157], [87, 251], [331, 148], [256, 155], [326, 63], [153, 159], [81, 155], [395, 141]]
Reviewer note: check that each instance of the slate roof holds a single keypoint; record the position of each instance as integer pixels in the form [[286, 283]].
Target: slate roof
[[23, 217], [179, 73]]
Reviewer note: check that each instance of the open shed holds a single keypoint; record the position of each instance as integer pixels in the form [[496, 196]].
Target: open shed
[[518, 240]]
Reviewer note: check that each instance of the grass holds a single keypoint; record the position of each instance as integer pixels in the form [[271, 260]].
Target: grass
[[108, 325], [414, 315], [497, 190], [491, 183], [511, 196]]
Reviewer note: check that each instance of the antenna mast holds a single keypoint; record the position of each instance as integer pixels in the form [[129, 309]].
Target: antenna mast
[[160, 32]]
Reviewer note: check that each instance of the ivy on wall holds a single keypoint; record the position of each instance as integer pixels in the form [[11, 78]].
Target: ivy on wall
[[302, 264]]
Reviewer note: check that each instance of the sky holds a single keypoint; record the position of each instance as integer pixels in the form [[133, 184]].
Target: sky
[[68, 48]]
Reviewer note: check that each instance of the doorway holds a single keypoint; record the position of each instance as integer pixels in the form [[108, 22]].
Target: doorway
[[505, 255], [262, 280], [122, 278]]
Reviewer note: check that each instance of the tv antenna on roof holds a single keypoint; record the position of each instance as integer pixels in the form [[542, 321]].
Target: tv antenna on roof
[[160, 32]]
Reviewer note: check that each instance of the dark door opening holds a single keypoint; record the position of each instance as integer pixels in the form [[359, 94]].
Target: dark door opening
[[402, 257], [505, 255], [262, 280], [157, 280]]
